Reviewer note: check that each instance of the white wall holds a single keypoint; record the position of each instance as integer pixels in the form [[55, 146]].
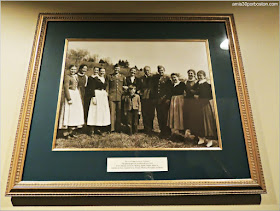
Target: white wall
[[258, 31]]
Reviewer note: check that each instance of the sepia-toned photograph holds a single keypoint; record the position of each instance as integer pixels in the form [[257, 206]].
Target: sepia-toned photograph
[[136, 95]]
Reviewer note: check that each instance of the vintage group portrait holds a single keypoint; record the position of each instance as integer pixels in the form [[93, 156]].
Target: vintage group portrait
[[172, 95], [137, 94]]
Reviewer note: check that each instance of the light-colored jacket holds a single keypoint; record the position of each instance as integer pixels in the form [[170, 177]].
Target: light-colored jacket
[[132, 103]]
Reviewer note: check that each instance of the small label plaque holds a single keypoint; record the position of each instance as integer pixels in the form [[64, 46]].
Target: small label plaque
[[140, 164]]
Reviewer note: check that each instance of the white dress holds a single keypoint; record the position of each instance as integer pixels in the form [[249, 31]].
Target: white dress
[[72, 114], [99, 113]]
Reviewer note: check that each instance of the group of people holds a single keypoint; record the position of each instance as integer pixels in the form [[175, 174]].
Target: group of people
[[108, 102]]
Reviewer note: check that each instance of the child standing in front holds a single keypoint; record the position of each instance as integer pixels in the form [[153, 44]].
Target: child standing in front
[[132, 109]]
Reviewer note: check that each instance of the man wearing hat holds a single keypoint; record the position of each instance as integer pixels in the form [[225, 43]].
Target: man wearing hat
[[115, 90], [160, 93]]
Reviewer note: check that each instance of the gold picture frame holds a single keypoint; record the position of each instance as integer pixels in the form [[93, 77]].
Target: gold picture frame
[[17, 186]]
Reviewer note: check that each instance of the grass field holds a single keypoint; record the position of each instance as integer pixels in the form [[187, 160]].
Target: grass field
[[122, 140]]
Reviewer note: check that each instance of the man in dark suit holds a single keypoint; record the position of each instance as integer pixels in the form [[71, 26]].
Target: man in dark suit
[[133, 80], [115, 90], [161, 87], [148, 110]]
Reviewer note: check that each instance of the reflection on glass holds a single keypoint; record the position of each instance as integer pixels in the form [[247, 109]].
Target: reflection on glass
[[224, 45]]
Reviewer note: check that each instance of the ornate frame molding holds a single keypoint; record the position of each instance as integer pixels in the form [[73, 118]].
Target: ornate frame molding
[[17, 187]]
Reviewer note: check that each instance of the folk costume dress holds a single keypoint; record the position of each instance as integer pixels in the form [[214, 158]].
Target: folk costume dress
[[175, 116], [89, 93], [71, 114], [191, 106], [82, 83], [99, 113], [205, 124]]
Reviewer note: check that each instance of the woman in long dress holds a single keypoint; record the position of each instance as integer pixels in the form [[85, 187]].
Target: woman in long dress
[[89, 93], [72, 113], [82, 83], [190, 106], [83, 78], [99, 111], [206, 125], [175, 116]]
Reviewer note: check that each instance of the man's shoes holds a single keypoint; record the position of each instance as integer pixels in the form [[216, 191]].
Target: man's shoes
[[129, 128], [164, 135]]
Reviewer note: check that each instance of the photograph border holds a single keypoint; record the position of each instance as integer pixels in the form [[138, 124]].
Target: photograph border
[[17, 187], [138, 149]]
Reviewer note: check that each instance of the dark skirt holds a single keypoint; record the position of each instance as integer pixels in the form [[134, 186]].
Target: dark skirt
[[191, 114], [199, 118]]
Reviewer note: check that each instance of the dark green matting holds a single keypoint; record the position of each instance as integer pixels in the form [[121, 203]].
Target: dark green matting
[[43, 164]]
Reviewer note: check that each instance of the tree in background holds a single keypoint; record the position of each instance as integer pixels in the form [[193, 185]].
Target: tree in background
[[123, 63], [108, 60], [102, 62], [126, 63], [95, 58], [77, 55]]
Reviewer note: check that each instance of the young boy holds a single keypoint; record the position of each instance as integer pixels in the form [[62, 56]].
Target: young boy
[[132, 109]]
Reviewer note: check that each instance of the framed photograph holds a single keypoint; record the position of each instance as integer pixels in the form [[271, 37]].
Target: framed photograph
[[135, 105], [169, 113]]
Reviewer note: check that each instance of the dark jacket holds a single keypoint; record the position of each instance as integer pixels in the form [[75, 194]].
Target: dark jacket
[[91, 85], [136, 82], [146, 87], [82, 82], [203, 90], [99, 85], [161, 87], [189, 89], [178, 90]]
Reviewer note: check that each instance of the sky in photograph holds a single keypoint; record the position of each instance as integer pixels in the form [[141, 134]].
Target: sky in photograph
[[176, 57]]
